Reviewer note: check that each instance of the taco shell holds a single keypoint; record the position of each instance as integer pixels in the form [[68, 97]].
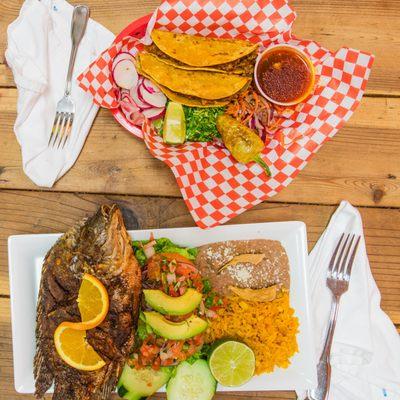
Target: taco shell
[[202, 84], [242, 66], [192, 101], [200, 51]]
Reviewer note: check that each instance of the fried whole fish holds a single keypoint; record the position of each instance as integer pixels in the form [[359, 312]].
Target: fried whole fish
[[100, 246]]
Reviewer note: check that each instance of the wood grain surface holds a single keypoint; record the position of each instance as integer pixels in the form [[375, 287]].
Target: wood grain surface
[[363, 24], [361, 164]]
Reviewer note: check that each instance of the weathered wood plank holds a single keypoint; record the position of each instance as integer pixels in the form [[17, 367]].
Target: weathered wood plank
[[368, 25], [34, 212], [8, 392], [6, 77], [360, 164]]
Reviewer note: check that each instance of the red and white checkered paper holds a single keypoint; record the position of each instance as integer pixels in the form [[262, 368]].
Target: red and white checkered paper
[[214, 186]]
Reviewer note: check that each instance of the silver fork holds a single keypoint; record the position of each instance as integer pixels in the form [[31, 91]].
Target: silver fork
[[339, 273], [65, 109]]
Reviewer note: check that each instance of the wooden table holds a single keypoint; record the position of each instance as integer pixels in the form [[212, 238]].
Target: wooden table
[[361, 164]]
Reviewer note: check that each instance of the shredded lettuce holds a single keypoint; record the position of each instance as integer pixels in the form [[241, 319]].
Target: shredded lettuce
[[143, 329], [163, 245], [139, 252], [203, 353]]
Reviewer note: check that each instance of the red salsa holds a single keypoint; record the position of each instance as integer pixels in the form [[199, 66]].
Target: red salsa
[[284, 75]]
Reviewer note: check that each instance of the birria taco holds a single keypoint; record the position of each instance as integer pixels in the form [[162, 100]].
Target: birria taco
[[199, 51], [202, 84]]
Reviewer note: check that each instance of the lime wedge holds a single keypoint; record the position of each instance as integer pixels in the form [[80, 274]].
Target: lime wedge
[[232, 363], [174, 128]]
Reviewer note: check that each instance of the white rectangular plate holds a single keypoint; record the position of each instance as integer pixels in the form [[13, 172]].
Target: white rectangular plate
[[26, 254]]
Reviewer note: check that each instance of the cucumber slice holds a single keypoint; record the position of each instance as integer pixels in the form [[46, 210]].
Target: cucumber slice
[[136, 384], [192, 382]]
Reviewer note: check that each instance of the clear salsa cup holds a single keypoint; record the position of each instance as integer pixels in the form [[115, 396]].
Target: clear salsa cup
[[284, 75]]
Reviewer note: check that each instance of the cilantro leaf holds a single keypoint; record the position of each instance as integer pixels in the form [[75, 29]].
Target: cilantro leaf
[[201, 123], [206, 286]]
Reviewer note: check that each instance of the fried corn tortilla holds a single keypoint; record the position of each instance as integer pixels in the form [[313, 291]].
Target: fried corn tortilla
[[192, 101], [241, 66], [201, 51], [202, 84]]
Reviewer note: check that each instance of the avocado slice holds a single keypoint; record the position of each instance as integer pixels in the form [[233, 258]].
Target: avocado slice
[[161, 302], [175, 330]]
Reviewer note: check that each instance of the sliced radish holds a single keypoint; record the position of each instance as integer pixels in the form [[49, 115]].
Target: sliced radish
[[150, 86], [156, 99], [153, 113], [140, 97], [128, 98], [128, 107], [132, 114], [125, 94], [125, 75], [124, 55], [136, 118], [115, 64], [135, 97]]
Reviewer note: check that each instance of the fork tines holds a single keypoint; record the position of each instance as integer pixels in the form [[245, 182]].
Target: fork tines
[[61, 129], [342, 259]]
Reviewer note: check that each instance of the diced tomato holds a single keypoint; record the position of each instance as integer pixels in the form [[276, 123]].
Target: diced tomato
[[198, 340], [177, 257], [177, 348], [172, 291], [148, 350], [182, 290], [156, 364], [198, 285], [167, 362], [184, 270]]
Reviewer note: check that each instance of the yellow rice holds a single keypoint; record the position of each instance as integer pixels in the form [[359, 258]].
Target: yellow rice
[[269, 329]]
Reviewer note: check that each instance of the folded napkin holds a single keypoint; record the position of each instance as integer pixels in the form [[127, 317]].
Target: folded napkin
[[365, 354], [38, 51]]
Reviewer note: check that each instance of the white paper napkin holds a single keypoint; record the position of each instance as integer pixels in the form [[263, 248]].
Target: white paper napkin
[[38, 51], [366, 348]]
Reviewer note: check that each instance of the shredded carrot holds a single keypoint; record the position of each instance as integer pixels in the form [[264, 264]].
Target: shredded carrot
[[251, 109], [247, 105]]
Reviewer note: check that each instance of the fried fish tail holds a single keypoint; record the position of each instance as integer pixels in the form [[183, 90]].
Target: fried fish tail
[[43, 375]]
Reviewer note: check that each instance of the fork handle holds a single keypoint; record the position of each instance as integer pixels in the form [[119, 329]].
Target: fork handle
[[324, 366], [80, 18]]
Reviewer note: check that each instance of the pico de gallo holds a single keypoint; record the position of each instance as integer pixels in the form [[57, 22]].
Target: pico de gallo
[[170, 268]]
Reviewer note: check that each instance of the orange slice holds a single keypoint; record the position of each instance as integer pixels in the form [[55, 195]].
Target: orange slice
[[73, 348], [93, 303]]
